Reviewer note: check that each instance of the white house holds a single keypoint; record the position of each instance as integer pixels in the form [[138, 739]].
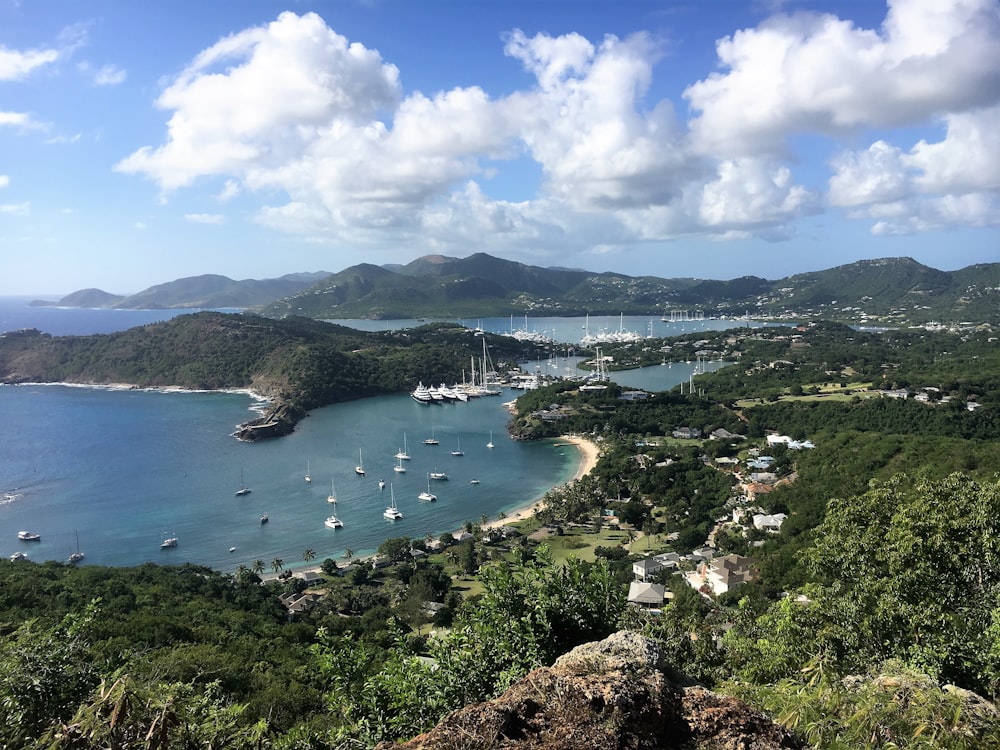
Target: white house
[[769, 522]]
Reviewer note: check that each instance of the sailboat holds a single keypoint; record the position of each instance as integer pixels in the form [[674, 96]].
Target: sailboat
[[490, 444], [431, 440], [392, 512], [399, 468], [308, 475], [458, 451], [332, 497], [437, 475], [360, 468], [243, 490], [381, 484], [427, 495], [77, 556], [403, 455]]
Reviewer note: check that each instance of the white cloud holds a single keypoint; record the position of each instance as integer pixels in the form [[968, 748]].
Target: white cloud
[[752, 192], [106, 75], [18, 64], [819, 73], [15, 209], [20, 120], [284, 84], [877, 175], [204, 218], [935, 185], [293, 109], [4, 181]]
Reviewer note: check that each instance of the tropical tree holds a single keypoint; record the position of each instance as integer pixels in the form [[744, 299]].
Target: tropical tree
[[258, 566], [308, 555], [277, 564], [348, 553]]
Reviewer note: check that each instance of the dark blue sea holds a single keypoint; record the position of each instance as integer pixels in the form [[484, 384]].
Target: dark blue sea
[[114, 472]]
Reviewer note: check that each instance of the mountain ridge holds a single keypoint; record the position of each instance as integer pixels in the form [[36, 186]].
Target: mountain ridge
[[887, 290]]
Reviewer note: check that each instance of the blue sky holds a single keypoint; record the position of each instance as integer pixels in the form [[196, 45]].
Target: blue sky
[[144, 142]]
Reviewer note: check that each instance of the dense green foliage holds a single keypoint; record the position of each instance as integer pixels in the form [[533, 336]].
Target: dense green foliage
[[894, 289], [882, 587]]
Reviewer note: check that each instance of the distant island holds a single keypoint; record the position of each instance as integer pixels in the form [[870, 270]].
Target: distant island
[[209, 291], [887, 291]]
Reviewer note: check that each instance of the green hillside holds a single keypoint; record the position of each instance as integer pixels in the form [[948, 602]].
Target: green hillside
[[299, 363]]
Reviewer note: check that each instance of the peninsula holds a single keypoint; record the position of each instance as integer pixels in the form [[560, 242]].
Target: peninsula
[[296, 364]]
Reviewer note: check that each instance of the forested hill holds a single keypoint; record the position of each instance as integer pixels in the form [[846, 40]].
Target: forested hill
[[896, 291], [300, 364]]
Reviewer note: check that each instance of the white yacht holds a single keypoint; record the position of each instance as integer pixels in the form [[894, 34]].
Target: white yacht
[[243, 490], [168, 543], [332, 497], [421, 395], [438, 475], [399, 468], [360, 468], [27, 536], [18, 556], [427, 494], [458, 450], [392, 512], [403, 455], [332, 522]]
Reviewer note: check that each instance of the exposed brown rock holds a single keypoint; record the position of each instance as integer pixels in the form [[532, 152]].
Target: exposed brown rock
[[611, 695]]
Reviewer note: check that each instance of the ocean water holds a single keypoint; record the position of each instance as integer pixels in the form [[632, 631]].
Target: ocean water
[[118, 471], [114, 472]]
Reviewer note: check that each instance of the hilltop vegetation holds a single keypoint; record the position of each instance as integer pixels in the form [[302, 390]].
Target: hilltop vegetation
[[887, 291]]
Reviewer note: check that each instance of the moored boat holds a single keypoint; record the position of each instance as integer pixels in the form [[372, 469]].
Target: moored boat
[[27, 536]]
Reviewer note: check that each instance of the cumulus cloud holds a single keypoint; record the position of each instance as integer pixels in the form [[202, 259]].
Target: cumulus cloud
[[818, 73], [294, 109], [4, 181], [933, 185]]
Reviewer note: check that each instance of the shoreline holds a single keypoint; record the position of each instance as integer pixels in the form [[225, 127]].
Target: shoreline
[[589, 455]]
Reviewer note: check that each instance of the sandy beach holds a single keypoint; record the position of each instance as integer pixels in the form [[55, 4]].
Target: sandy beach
[[589, 453]]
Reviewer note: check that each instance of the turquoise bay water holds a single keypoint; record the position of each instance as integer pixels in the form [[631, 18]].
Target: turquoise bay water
[[122, 470]]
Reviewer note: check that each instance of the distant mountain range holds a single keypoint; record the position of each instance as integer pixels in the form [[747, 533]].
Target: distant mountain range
[[886, 290], [209, 291]]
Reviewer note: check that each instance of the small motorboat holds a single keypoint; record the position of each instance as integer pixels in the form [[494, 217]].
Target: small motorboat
[[27, 536], [168, 543], [264, 519]]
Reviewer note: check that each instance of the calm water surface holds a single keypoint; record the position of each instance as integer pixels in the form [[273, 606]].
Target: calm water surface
[[116, 472]]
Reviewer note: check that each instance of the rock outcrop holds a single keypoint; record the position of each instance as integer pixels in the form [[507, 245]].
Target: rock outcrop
[[611, 695]]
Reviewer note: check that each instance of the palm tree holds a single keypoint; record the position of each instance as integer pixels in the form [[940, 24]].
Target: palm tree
[[308, 555], [258, 566], [277, 564], [348, 553]]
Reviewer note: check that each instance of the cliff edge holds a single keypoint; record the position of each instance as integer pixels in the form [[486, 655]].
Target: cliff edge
[[610, 695]]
